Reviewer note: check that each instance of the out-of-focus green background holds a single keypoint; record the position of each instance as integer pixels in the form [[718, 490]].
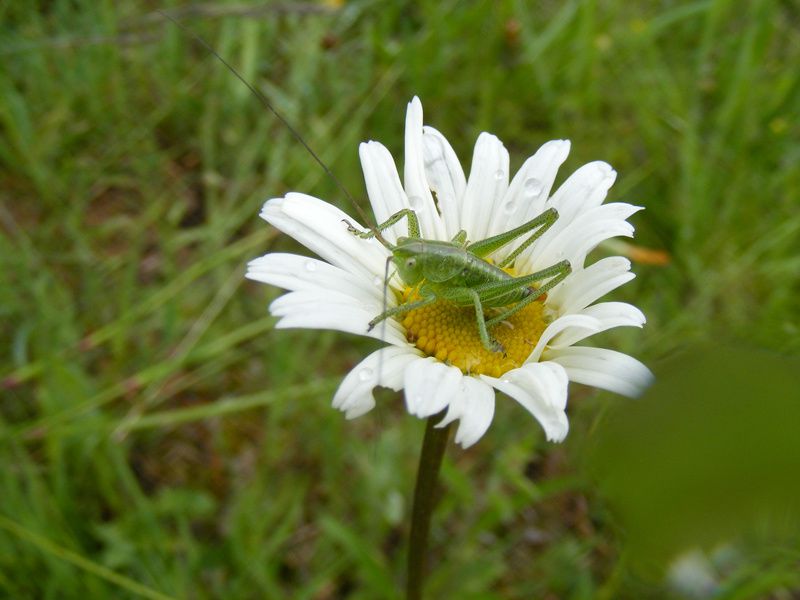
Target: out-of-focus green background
[[159, 439]]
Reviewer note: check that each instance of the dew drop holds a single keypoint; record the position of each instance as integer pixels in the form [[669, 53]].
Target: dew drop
[[510, 207], [377, 280], [499, 174], [365, 374], [311, 266], [415, 202], [533, 187]]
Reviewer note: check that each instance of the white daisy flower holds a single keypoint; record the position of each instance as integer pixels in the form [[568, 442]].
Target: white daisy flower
[[435, 352]]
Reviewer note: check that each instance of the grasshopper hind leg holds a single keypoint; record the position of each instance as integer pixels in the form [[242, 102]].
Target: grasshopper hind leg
[[558, 272]]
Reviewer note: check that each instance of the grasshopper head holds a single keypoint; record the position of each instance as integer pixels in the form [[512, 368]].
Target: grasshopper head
[[408, 260]]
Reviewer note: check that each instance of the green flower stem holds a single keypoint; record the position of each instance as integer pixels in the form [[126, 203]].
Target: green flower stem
[[430, 460]]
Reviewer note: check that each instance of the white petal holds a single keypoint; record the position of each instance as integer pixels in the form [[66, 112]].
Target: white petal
[[474, 406], [609, 315], [542, 389], [445, 177], [293, 272], [332, 310], [383, 367], [384, 189], [585, 189], [320, 227], [417, 186], [603, 368], [526, 196], [430, 386], [584, 286], [488, 180], [584, 323], [581, 236]]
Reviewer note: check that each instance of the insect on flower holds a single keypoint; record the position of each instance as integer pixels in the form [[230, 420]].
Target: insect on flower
[[490, 288], [455, 272]]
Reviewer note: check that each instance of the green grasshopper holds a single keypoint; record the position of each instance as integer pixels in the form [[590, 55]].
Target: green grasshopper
[[456, 271]]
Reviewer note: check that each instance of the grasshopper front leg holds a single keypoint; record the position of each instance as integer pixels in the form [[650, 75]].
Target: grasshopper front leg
[[413, 225], [485, 247]]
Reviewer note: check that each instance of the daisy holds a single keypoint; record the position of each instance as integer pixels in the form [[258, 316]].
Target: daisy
[[435, 353]]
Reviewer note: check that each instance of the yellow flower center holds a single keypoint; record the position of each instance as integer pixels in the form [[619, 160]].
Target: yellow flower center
[[450, 333]]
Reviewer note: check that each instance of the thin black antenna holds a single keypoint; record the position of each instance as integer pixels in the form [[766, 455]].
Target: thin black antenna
[[272, 109], [263, 99]]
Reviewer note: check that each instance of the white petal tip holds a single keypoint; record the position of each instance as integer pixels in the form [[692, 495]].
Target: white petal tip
[[556, 430], [414, 112], [271, 206]]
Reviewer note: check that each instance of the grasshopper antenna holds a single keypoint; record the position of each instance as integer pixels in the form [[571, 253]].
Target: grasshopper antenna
[[267, 104]]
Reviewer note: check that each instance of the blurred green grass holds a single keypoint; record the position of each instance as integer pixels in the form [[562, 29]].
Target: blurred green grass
[[158, 437]]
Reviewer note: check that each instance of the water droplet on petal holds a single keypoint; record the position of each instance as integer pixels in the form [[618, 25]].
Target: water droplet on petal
[[365, 374], [311, 266], [499, 174], [510, 207], [377, 280], [533, 187]]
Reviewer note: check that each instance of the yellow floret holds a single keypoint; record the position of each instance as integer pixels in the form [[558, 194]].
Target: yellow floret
[[450, 333]]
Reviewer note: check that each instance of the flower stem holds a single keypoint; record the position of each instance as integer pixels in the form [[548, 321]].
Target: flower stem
[[430, 460]]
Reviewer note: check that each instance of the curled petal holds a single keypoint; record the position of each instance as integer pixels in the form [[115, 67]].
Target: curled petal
[[384, 367], [542, 389], [430, 387], [474, 406]]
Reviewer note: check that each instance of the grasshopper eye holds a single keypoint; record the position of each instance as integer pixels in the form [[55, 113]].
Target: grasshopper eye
[[411, 263]]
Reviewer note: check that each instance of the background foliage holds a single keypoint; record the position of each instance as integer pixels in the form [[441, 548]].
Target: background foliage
[[159, 439]]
